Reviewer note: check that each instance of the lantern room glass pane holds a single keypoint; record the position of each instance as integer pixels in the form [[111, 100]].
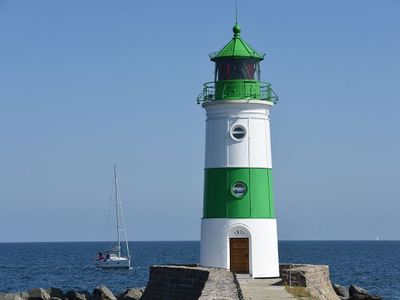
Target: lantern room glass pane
[[230, 69]]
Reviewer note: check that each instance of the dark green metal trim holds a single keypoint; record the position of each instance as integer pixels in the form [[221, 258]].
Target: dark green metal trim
[[236, 47], [237, 90]]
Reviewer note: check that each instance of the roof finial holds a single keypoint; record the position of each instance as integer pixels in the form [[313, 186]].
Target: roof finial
[[236, 28]]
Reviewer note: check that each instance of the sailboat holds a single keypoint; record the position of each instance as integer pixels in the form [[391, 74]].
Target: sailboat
[[113, 258]]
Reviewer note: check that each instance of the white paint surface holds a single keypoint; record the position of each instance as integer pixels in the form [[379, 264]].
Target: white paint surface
[[263, 244], [254, 151]]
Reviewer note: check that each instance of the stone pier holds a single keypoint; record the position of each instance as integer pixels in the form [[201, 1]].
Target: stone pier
[[190, 282], [314, 278]]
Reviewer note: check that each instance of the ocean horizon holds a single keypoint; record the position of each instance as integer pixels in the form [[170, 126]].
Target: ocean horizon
[[150, 241]]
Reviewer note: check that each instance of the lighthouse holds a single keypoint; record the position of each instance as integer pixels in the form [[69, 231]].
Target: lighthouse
[[238, 228]]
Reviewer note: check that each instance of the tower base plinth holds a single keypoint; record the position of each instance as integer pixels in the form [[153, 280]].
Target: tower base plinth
[[248, 246]]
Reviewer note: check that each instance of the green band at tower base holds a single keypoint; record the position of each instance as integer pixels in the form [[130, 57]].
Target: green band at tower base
[[219, 202]]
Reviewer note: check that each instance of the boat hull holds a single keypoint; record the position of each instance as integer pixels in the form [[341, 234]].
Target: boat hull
[[113, 263]]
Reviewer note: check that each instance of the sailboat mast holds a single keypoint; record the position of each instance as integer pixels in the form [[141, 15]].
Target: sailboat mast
[[116, 209]]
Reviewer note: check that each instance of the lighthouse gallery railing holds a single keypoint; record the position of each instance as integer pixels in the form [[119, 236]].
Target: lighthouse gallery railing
[[266, 93]]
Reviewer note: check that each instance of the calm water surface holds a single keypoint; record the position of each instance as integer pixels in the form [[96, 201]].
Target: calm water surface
[[373, 265]]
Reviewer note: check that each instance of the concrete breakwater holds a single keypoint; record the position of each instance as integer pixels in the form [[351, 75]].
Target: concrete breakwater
[[184, 282], [187, 282], [314, 279], [296, 281]]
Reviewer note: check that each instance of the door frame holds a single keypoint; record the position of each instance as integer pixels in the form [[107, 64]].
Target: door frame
[[239, 231]]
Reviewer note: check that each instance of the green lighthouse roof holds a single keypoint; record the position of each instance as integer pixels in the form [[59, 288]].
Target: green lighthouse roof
[[236, 48]]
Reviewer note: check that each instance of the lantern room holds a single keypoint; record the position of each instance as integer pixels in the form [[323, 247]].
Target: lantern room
[[237, 73]]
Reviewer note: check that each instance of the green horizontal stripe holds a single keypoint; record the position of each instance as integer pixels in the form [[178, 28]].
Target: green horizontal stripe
[[256, 203]]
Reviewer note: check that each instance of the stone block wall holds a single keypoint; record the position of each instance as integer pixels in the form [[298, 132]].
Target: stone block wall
[[315, 278], [188, 282]]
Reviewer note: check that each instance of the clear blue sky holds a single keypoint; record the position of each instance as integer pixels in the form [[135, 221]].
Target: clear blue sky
[[84, 84]]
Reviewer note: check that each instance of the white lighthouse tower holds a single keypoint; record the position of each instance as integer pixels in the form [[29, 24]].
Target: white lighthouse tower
[[238, 228]]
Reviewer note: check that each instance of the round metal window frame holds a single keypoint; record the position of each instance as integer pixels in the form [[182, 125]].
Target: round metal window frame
[[233, 185], [231, 132]]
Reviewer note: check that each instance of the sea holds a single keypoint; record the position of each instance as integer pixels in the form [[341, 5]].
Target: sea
[[373, 265]]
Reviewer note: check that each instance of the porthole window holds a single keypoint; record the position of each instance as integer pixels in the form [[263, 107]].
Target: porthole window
[[238, 189], [238, 132]]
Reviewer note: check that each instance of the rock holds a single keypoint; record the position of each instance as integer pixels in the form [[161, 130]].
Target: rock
[[55, 293], [356, 290], [341, 290], [103, 293], [39, 294], [365, 297], [14, 296], [23, 295], [74, 295], [358, 293], [131, 294], [86, 294]]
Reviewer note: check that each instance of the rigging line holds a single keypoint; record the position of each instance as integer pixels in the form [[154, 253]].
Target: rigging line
[[116, 208], [107, 234], [110, 220], [123, 224]]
